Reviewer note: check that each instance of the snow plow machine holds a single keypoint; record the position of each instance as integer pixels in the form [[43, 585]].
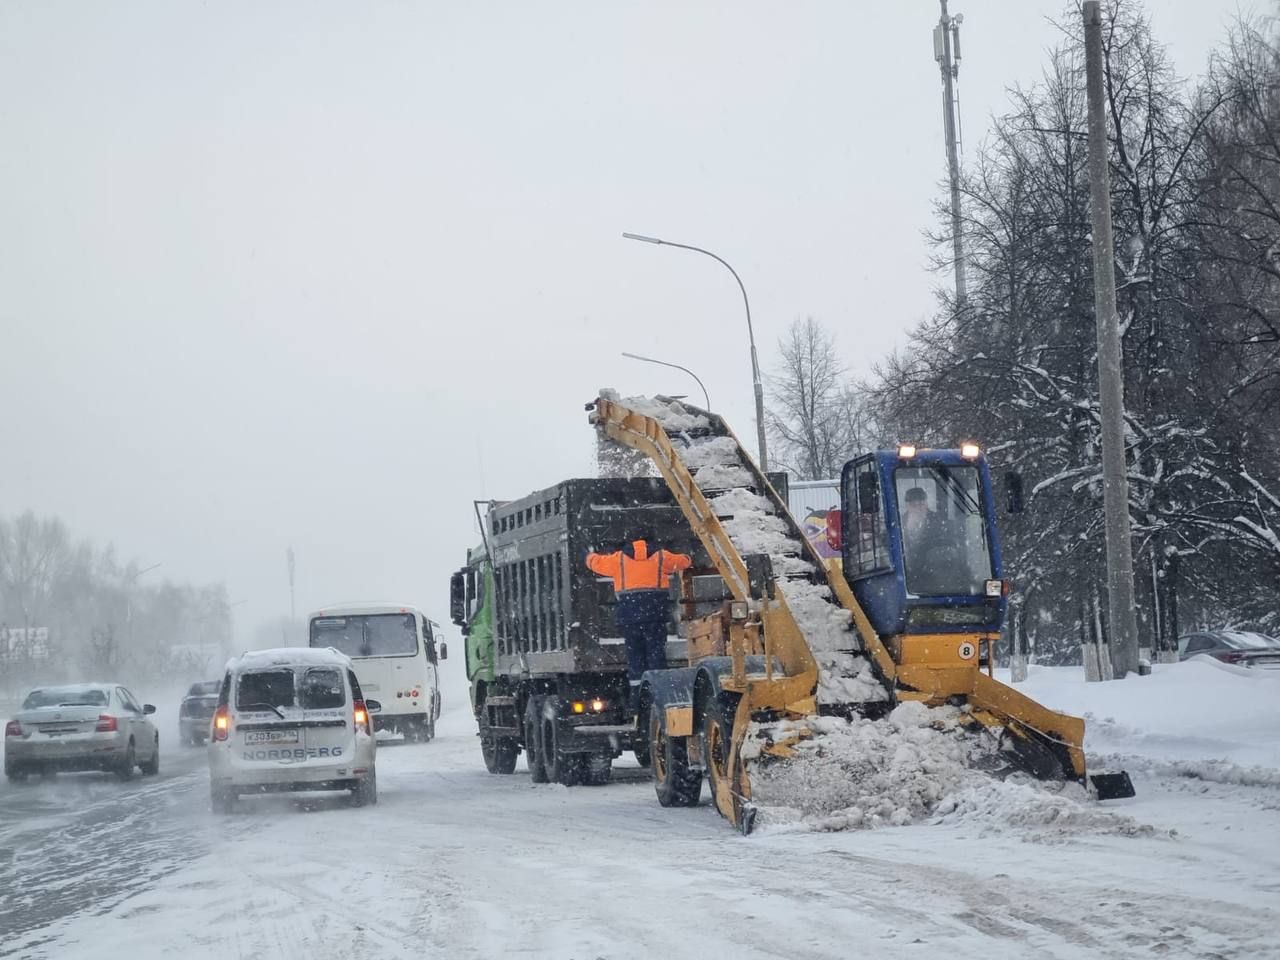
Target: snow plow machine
[[821, 687]]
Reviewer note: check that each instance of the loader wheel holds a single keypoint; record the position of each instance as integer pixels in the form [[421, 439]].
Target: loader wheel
[[717, 738], [533, 743], [674, 783], [499, 754]]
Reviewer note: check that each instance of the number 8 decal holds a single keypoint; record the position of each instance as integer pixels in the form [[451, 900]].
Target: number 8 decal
[[967, 651]]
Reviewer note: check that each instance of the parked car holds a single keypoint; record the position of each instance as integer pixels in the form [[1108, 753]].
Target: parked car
[[196, 712], [1233, 646], [293, 718], [89, 726]]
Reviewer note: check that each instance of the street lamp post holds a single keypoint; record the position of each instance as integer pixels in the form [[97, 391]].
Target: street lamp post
[[706, 399], [755, 364]]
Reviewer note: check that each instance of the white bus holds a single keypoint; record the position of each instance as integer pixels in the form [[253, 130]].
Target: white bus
[[395, 650]]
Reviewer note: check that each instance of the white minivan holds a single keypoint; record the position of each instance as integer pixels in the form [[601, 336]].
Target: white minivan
[[292, 718]]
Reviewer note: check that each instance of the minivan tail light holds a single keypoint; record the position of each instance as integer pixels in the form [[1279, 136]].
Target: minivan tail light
[[361, 715], [221, 723], [106, 724], [13, 729]]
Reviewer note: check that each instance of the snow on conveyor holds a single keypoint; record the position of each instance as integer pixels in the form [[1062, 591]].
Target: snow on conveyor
[[752, 523]]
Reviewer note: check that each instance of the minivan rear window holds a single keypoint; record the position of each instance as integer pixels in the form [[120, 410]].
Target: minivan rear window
[[264, 689], [322, 689]]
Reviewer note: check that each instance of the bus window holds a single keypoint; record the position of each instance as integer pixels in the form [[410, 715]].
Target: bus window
[[377, 635]]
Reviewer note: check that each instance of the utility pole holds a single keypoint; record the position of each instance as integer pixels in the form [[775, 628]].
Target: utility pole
[[946, 50], [1115, 482]]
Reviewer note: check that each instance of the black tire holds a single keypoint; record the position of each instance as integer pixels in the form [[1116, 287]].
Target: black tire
[[15, 774], [640, 746], [674, 783], [593, 770], [223, 802], [152, 766], [717, 735], [125, 769], [429, 729], [499, 754], [533, 743], [365, 792], [562, 768]]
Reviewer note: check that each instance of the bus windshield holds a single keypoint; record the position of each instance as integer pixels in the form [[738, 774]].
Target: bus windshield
[[944, 533], [375, 635]]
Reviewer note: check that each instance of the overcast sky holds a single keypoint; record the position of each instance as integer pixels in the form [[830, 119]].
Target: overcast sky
[[319, 274]]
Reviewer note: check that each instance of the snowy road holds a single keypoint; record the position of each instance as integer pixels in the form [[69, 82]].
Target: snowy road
[[454, 863]]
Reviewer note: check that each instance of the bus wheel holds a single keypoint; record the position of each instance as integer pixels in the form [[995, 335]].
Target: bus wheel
[[499, 754]]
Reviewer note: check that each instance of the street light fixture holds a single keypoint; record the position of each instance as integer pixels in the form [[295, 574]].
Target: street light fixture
[[755, 365], [705, 398]]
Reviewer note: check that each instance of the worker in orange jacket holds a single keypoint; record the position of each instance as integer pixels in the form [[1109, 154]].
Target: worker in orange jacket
[[644, 605]]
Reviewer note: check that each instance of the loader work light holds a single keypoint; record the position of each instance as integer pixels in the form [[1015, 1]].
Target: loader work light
[[970, 451], [907, 450]]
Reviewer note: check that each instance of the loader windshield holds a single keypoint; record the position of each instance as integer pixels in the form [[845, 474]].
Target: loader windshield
[[944, 532]]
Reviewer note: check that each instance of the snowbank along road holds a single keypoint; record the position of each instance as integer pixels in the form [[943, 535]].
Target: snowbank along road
[[456, 863]]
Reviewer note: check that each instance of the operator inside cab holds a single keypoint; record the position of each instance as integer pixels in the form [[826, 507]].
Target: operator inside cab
[[640, 585]]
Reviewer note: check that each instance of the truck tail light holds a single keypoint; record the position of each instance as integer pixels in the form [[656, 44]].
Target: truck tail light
[[221, 723], [361, 716], [13, 729], [106, 724]]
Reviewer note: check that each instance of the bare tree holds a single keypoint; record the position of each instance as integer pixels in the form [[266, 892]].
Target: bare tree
[[817, 419]]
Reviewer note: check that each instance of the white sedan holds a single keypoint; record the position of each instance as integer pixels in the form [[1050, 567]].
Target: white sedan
[[90, 726]]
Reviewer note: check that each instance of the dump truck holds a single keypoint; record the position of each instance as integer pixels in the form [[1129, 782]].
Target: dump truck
[[545, 661], [787, 651]]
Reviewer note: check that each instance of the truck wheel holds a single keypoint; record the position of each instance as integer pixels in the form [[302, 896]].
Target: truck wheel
[[594, 771], [674, 783], [640, 745], [533, 744], [499, 754], [561, 767]]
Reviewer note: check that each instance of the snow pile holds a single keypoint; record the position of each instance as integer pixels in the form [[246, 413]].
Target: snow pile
[[1047, 813], [850, 774], [917, 764], [672, 414]]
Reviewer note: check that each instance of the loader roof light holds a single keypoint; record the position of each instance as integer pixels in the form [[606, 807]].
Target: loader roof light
[[970, 451], [906, 451]]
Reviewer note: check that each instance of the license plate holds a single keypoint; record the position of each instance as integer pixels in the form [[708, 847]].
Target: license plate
[[271, 736]]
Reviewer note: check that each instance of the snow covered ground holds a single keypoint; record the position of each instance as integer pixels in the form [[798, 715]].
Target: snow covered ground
[[454, 862]]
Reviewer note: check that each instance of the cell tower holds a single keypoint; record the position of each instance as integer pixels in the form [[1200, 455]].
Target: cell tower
[[946, 51]]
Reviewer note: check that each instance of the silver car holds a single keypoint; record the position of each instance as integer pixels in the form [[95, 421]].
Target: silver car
[[89, 726]]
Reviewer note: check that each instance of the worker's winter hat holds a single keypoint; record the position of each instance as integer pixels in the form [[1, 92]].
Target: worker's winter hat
[[917, 495]]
